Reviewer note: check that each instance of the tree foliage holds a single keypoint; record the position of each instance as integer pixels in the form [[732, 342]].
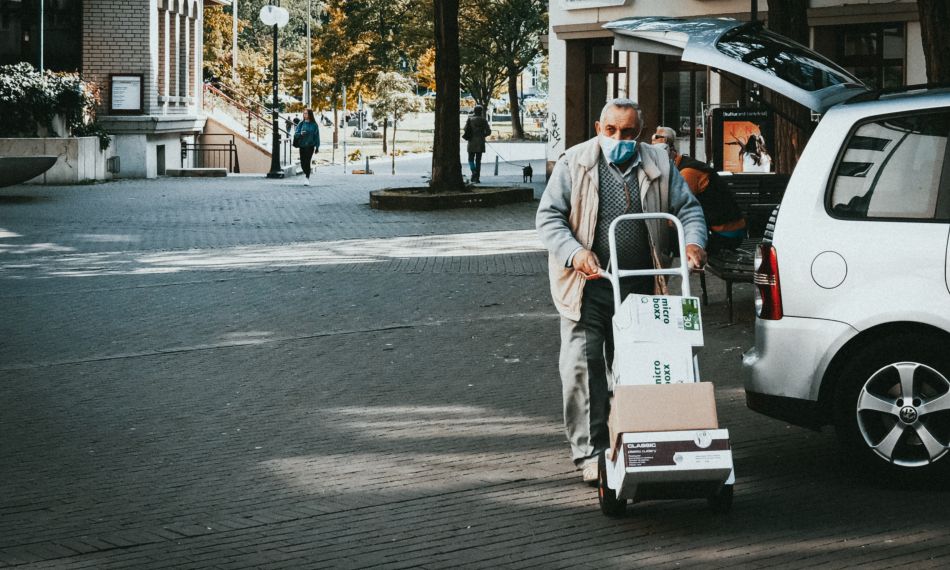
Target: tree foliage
[[519, 25], [482, 72], [425, 70], [395, 99]]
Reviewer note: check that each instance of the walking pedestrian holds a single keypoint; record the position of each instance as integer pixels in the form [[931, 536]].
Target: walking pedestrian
[[307, 138], [591, 184], [476, 129]]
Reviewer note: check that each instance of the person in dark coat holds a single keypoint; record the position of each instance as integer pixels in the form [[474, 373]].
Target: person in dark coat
[[476, 129], [307, 138], [727, 225]]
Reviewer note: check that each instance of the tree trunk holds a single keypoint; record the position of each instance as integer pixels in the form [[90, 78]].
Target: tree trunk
[[446, 166], [514, 105], [934, 15], [789, 18], [336, 126], [385, 128], [394, 146]]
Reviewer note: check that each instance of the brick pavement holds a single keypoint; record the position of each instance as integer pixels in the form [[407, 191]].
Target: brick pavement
[[201, 395]]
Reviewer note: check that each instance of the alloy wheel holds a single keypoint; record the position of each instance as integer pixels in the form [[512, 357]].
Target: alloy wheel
[[903, 413]]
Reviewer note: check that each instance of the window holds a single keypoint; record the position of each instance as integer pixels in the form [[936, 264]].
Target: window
[[606, 78], [62, 31], [895, 168], [681, 105], [872, 52]]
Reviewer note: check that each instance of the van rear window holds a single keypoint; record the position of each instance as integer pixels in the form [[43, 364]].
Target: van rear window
[[782, 58], [895, 168]]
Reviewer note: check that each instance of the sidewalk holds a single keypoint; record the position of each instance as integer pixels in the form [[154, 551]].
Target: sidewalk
[[511, 158], [250, 373]]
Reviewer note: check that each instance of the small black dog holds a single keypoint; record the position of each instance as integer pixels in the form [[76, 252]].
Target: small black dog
[[527, 172]]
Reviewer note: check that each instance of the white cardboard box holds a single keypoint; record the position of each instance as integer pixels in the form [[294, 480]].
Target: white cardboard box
[[659, 319], [691, 456], [639, 363]]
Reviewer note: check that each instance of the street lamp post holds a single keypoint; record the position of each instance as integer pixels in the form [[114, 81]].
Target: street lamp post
[[306, 95], [274, 15], [42, 26], [308, 91], [234, 41]]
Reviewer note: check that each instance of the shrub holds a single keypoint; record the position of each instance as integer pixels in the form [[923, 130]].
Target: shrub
[[30, 99]]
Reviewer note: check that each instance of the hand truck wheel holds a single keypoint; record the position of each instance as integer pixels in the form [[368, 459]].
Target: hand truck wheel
[[610, 505]]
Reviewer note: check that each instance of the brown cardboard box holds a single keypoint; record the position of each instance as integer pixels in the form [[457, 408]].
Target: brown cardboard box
[[666, 407]]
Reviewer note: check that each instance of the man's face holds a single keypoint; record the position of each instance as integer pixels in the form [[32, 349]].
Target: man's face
[[618, 123]]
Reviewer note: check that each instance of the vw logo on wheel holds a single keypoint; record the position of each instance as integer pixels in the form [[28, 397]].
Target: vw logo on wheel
[[908, 414]]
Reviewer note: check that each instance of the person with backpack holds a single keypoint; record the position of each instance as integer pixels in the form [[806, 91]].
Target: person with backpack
[[307, 139], [476, 130], [727, 225]]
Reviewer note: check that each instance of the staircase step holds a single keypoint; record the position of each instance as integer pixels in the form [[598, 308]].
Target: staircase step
[[197, 172]]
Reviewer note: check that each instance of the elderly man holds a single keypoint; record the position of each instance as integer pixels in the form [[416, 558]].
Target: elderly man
[[593, 183], [727, 225]]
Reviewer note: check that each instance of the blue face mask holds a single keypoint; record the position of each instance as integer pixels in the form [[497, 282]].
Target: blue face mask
[[617, 151]]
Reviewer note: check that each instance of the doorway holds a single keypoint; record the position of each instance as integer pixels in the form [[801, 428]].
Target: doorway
[[683, 95]]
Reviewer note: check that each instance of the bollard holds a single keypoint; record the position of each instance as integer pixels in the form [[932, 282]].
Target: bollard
[[367, 165], [496, 165]]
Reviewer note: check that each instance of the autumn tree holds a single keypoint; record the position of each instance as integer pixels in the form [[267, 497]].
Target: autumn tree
[[482, 71], [394, 32], [425, 70], [217, 47], [518, 26], [446, 166], [395, 98]]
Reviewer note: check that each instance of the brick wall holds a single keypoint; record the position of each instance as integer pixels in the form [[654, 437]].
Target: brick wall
[[119, 36], [128, 36]]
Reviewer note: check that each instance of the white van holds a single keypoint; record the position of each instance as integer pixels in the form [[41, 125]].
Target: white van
[[852, 294]]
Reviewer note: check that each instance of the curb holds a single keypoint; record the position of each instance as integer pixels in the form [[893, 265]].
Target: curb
[[422, 199]]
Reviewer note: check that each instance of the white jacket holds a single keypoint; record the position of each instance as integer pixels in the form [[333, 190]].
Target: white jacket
[[567, 214]]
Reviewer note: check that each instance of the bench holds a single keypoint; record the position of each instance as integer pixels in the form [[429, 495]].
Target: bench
[[757, 195]]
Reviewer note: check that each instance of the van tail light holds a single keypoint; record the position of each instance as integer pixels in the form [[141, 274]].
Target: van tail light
[[768, 291]]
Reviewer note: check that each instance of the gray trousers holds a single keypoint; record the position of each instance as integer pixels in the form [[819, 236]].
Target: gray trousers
[[585, 361]]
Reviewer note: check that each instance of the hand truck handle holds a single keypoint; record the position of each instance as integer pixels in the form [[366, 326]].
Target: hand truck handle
[[614, 274]]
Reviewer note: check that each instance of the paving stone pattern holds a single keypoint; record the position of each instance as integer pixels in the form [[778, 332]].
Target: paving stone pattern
[[246, 373]]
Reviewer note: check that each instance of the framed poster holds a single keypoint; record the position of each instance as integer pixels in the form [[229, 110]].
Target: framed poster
[[743, 140], [126, 93]]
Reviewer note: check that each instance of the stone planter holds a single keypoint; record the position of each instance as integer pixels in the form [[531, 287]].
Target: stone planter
[[80, 159], [424, 199]]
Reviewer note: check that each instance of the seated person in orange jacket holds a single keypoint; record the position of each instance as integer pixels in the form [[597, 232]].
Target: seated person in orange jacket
[[727, 225]]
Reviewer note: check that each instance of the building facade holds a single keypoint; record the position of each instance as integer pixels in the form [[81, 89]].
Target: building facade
[[878, 41], [145, 56]]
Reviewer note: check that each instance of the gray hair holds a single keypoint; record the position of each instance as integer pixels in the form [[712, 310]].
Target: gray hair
[[623, 103], [670, 135]]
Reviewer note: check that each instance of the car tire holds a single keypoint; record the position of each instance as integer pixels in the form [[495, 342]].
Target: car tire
[[892, 405]]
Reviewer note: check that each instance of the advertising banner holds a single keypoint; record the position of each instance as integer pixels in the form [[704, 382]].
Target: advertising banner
[[743, 140]]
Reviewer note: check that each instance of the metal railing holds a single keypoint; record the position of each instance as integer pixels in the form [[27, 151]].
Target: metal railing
[[212, 154], [254, 117]]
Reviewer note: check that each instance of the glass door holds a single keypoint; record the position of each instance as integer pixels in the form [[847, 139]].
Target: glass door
[[681, 106]]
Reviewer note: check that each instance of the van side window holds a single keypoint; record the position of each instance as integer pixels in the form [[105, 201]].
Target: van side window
[[895, 167]]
